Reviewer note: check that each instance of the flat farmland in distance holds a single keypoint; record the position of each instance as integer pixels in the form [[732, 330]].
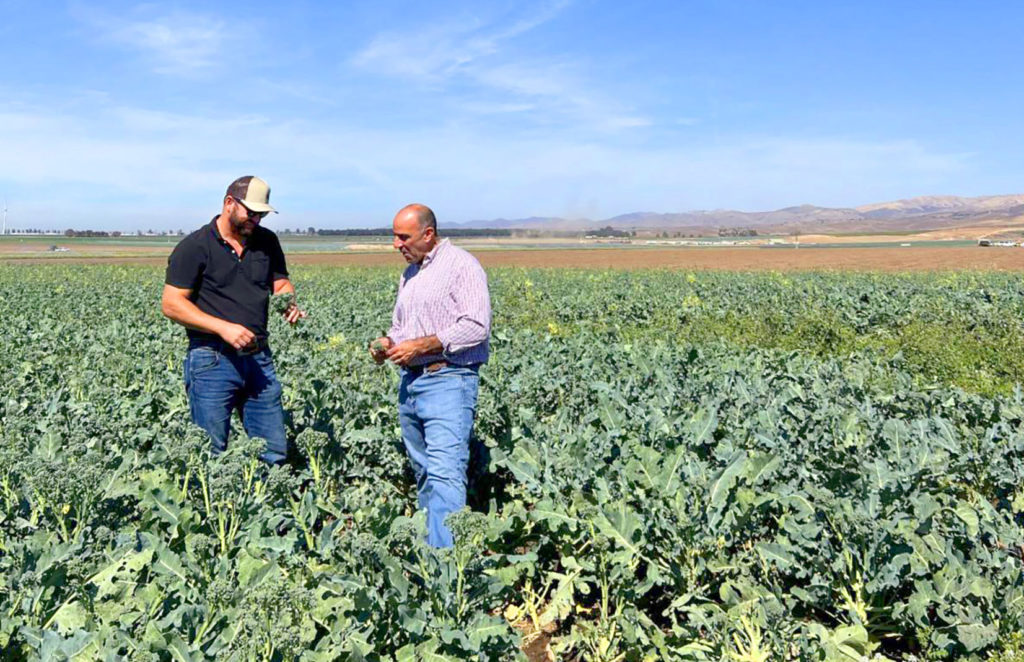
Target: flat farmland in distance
[[727, 259], [854, 258]]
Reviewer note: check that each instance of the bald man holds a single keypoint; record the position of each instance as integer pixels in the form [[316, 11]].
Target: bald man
[[439, 337]]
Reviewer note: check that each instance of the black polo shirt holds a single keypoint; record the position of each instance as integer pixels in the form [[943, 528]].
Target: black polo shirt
[[232, 287]]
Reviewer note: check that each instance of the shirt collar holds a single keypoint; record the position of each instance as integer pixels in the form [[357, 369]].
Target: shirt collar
[[429, 257], [215, 230]]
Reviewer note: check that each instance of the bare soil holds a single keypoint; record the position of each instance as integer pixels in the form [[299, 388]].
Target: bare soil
[[895, 258], [535, 645]]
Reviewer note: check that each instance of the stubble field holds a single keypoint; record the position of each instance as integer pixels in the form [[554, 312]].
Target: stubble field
[[892, 257]]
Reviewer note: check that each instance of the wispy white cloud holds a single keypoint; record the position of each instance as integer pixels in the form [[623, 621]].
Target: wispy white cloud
[[435, 54], [176, 43], [455, 55], [443, 49], [558, 92]]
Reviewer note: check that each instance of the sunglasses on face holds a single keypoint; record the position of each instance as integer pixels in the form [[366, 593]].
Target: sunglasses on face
[[252, 215]]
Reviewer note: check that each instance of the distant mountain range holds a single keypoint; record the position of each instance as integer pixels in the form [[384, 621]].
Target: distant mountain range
[[914, 214]]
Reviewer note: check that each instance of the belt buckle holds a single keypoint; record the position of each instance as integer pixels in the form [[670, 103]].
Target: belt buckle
[[434, 367], [257, 345]]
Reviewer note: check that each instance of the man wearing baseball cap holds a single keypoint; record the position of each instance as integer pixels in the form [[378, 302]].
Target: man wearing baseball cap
[[218, 285]]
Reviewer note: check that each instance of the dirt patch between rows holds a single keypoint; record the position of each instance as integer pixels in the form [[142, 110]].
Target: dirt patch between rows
[[896, 258]]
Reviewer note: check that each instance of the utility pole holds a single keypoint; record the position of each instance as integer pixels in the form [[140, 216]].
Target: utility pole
[[5, 216]]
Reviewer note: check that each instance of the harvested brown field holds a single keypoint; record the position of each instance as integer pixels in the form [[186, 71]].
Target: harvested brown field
[[733, 259], [896, 258]]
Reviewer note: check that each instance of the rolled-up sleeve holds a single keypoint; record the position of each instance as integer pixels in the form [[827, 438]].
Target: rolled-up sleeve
[[472, 306]]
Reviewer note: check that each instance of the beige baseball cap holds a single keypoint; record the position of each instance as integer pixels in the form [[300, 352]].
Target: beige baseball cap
[[252, 192]]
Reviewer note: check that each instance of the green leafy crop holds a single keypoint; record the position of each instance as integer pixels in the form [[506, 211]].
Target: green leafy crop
[[666, 466]]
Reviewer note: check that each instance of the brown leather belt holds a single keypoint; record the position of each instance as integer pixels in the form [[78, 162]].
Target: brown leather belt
[[429, 367]]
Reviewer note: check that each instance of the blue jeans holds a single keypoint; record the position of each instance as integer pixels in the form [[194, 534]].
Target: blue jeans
[[219, 381], [435, 411]]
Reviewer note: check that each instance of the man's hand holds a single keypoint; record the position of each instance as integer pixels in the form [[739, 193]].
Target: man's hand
[[404, 352], [283, 293], [379, 349], [236, 335], [292, 314]]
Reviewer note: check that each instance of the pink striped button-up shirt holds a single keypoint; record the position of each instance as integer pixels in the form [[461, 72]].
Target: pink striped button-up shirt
[[445, 295]]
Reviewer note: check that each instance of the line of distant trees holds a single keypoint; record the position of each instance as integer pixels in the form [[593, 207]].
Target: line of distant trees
[[90, 233], [609, 231]]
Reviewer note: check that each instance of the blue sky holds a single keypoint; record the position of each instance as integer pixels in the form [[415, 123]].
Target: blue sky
[[128, 115]]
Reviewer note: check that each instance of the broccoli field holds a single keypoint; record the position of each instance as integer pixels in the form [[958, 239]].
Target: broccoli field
[[668, 466]]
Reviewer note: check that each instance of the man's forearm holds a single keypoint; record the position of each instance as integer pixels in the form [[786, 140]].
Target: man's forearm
[[430, 345], [187, 314], [410, 350], [283, 286]]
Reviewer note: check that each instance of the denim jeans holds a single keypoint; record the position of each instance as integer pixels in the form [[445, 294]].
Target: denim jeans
[[435, 411], [219, 381]]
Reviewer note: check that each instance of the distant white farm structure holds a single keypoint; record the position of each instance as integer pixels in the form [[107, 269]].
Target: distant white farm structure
[[15, 232], [1006, 243]]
